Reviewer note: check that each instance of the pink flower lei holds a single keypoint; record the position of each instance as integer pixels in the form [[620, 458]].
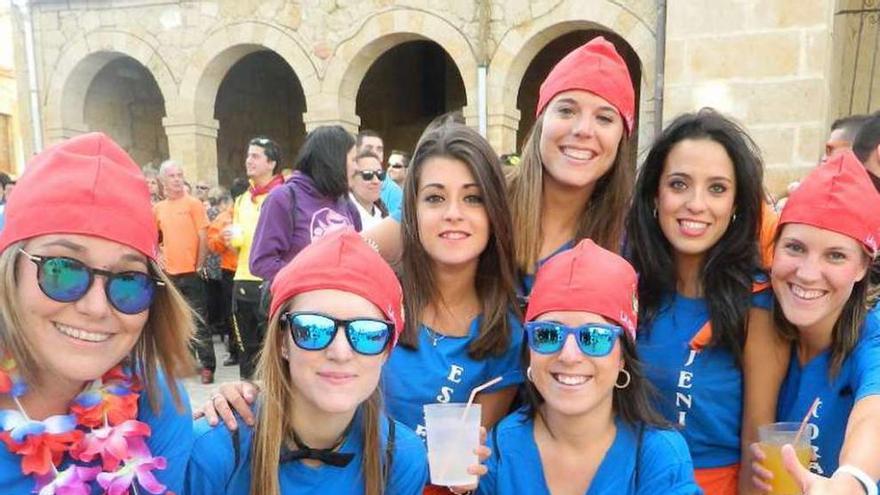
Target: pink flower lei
[[101, 430]]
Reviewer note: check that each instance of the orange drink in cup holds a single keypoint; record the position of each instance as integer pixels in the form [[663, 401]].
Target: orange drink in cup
[[772, 437]]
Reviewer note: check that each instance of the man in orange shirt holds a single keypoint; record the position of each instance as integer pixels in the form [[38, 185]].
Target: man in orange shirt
[[183, 227]]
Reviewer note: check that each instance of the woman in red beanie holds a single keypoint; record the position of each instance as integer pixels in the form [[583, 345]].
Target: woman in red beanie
[[335, 316], [827, 239], [577, 168], [92, 335], [706, 336], [588, 426]]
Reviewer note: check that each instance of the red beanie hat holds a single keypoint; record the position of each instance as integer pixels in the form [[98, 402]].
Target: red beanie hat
[[591, 279], [86, 185], [838, 196], [598, 68], [342, 261]]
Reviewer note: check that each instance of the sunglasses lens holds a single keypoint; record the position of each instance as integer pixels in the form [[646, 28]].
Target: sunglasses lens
[[596, 341], [311, 332], [131, 292], [368, 336], [544, 338], [64, 279]]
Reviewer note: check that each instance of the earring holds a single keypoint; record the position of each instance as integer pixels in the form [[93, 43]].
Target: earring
[[628, 379], [655, 212], [733, 218], [529, 373]]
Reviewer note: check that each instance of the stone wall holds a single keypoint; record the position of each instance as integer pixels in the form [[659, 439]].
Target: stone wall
[[769, 63], [765, 63], [10, 142]]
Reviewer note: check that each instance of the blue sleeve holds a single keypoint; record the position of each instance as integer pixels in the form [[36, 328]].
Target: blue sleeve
[[212, 463], [272, 235], [866, 358], [508, 365], [396, 215], [665, 465], [171, 433], [409, 469]]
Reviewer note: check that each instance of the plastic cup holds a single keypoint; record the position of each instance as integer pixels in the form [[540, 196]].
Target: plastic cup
[[451, 443], [772, 437], [235, 232]]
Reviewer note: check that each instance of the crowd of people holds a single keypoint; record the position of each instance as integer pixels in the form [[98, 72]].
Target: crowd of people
[[638, 325]]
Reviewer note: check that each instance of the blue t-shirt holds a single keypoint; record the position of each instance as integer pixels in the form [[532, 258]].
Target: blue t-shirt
[[213, 471], [700, 390], [171, 437], [859, 377], [392, 195], [444, 372], [664, 464]]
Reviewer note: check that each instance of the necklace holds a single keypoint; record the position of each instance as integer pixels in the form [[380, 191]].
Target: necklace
[[434, 336], [101, 431]]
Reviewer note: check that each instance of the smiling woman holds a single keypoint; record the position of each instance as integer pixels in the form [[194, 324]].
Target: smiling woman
[[92, 334]]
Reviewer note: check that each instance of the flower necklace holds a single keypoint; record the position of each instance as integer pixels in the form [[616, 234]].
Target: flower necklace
[[101, 426]]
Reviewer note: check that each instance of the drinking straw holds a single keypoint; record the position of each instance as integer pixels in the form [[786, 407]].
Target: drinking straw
[[804, 421], [477, 390]]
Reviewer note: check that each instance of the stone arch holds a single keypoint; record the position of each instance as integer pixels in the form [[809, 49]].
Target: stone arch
[[519, 46], [78, 65], [379, 33], [226, 46]]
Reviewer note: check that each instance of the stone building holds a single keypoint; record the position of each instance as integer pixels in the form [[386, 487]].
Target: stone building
[[193, 79], [10, 141]]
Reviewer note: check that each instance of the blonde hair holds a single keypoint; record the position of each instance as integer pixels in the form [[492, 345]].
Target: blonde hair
[[163, 343], [274, 424], [603, 215]]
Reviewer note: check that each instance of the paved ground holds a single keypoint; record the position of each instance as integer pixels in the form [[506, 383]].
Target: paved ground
[[198, 393]]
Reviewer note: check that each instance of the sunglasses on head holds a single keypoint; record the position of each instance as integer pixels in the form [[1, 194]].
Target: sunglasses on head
[[202, 187], [315, 331], [65, 279], [593, 339], [368, 174]]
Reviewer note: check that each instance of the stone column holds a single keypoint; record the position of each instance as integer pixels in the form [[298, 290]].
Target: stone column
[[501, 129], [194, 146], [67, 131], [324, 109]]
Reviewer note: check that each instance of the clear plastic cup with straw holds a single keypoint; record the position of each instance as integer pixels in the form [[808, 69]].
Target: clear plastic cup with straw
[[453, 432], [772, 437]]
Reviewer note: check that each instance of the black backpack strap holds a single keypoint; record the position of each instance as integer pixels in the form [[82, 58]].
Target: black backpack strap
[[389, 448], [292, 194], [236, 448]]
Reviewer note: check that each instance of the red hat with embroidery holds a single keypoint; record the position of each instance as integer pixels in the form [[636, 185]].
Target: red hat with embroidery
[[839, 196], [342, 261], [86, 185], [591, 279], [598, 68]]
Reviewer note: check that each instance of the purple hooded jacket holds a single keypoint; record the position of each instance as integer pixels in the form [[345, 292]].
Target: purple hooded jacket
[[279, 236]]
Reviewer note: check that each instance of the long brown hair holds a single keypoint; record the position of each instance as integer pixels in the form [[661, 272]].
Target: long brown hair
[[274, 423], [602, 219], [163, 343], [495, 278]]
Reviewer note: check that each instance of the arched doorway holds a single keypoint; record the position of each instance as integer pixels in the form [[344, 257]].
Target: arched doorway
[[407, 87], [123, 100], [550, 55], [259, 95]]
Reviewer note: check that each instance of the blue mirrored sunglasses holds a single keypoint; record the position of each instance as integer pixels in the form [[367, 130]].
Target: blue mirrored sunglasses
[[65, 279], [313, 331], [593, 339]]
